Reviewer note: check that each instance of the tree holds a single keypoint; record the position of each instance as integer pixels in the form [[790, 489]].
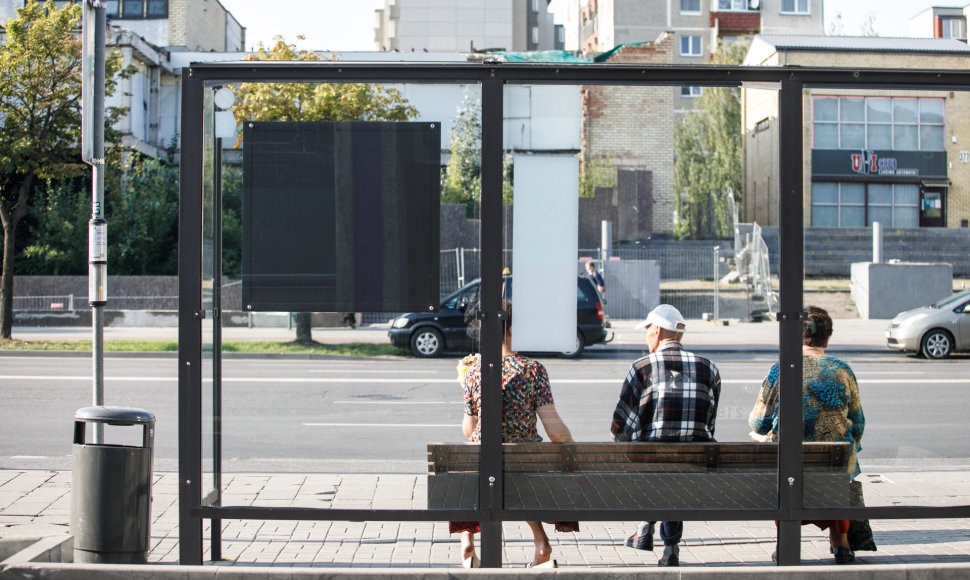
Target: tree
[[314, 102], [707, 156], [40, 117], [463, 174]]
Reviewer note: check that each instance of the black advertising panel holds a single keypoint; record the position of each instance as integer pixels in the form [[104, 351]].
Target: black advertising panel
[[876, 163], [341, 217]]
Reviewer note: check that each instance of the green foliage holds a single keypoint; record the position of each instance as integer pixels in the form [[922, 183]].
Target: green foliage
[[463, 179], [57, 233], [596, 172], [232, 222], [315, 101], [142, 213], [707, 157]]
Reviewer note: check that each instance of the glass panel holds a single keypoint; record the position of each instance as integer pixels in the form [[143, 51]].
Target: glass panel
[[905, 138], [853, 136], [111, 8], [825, 216], [880, 137], [931, 111], [826, 192], [624, 168], [905, 217], [853, 193], [931, 138], [157, 8], [852, 217], [825, 109], [906, 194], [880, 194], [852, 109], [209, 224], [132, 9], [904, 110], [879, 110], [313, 418], [826, 136], [881, 214]]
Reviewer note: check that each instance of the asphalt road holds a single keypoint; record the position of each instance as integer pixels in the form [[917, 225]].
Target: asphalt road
[[375, 415]]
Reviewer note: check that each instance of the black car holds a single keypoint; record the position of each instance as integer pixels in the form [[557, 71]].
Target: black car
[[429, 334]]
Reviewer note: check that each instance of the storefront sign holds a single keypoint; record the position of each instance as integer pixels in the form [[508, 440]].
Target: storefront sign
[[855, 163]]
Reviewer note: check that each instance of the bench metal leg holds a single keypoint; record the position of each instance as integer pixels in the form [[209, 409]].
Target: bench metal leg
[[789, 543], [491, 544]]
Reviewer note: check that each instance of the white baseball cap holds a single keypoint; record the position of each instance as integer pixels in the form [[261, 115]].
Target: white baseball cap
[[667, 317]]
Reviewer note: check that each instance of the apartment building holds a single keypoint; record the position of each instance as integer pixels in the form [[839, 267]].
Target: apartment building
[[466, 26], [940, 22], [697, 25], [899, 157]]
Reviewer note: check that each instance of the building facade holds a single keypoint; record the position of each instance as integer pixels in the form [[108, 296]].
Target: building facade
[[466, 26], [940, 22], [900, 157], [697, 25]]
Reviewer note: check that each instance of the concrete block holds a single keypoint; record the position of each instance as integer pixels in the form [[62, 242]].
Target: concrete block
[[884, 290]]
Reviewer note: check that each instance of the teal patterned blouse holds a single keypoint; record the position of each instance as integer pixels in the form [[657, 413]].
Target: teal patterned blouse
[[831, 409]]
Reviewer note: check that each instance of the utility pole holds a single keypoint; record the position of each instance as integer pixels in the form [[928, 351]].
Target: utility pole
[[94, 25]]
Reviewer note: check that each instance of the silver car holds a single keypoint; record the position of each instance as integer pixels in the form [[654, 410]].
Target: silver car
[[933, 331]]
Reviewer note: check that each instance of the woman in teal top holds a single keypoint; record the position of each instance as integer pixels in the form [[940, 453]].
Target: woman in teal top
[[831, 409]]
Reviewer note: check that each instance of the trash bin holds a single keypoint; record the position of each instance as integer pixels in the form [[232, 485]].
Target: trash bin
[[111, 489]]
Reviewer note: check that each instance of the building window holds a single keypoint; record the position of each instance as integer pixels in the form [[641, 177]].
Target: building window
[[856, 205], [136, 9], [733, 5], [691, 92], [882, 123], [535, 35], [954, 27], [535, 6], [690, 46], [794, 6], [690, 6]]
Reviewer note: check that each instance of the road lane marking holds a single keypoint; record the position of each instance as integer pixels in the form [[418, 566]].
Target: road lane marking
[[614, 381], [449, 425], [379, 402]]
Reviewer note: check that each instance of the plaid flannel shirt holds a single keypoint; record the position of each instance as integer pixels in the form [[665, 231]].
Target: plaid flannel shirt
[[669, 395]]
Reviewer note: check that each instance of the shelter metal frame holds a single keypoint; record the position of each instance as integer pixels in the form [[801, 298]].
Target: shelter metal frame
[[790, 83]]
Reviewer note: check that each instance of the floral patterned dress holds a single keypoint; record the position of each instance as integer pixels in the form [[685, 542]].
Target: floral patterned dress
[[525, 388]]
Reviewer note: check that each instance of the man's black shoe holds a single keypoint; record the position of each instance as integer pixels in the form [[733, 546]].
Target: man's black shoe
[[642, 540], [671, 556]]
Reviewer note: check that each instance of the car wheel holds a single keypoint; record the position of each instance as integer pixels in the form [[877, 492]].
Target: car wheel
[[937, 344], [577, 347], [427, 342]]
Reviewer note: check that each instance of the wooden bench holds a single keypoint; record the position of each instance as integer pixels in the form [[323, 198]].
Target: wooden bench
[[636, 475]]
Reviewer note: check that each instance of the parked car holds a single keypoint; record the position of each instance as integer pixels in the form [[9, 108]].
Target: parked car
[[934, 331], [429, 334]]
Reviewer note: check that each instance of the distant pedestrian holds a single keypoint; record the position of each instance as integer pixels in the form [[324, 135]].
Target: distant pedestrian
[[595, 277], [831, 410], [669, 395]]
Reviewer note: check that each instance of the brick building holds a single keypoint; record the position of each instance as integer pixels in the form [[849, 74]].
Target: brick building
[[899, 157]]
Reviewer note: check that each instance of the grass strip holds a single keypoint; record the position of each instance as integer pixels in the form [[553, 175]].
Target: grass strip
[[258, 347]]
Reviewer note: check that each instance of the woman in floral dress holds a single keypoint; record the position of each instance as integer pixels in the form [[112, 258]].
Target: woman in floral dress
[[525, 395]]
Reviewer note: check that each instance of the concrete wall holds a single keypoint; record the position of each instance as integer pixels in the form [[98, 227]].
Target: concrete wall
[[884, 290]]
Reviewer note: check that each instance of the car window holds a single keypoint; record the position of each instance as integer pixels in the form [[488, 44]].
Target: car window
[[951, 301], [580, 295]]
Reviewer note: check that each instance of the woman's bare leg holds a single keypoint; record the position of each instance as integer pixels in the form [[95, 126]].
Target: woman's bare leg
[[467, 545], [838, 540], [541, 540]]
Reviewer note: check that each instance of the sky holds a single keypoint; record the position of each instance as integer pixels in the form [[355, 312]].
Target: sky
[[349, 24]]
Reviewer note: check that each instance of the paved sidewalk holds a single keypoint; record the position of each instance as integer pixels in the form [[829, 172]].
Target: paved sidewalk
[[37, 503]]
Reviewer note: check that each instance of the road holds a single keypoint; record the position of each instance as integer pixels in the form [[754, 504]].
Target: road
[[375, 415]]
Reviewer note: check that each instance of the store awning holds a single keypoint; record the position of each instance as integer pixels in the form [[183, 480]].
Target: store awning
[[935, 182]]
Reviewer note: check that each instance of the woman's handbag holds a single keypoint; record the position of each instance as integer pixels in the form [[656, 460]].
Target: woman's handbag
[[860, 533]]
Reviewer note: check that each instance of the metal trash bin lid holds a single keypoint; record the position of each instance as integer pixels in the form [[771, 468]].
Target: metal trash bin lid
[[115, 416]]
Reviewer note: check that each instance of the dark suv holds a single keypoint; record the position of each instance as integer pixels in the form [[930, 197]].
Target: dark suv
[[429, 334]]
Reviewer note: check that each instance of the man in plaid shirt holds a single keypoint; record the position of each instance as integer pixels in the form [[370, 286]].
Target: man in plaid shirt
[[669, 395]]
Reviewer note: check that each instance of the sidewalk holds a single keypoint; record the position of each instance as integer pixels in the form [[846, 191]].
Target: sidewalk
[[37, 504], [850, 335]]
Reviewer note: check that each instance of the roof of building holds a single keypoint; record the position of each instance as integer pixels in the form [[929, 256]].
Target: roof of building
[[863, 43]]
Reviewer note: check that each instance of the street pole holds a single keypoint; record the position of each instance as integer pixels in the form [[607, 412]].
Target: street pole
[[94, 24]]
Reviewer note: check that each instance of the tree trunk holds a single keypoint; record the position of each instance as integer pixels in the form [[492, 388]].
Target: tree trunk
[[303, 327], [6, 280], [9, 218]]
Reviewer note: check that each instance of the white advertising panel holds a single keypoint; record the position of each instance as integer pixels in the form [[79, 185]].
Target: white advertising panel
[[545, 230]]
